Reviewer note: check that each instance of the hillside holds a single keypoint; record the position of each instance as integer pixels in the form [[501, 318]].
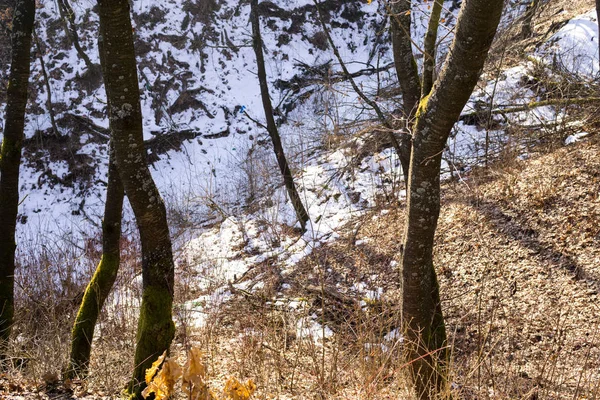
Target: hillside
[[517, 252], [316, 314]]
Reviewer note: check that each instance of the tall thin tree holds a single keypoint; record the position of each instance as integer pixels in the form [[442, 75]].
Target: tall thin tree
[[104, 278], [155, 328], [10, 159], [284, 167], [436, 115]]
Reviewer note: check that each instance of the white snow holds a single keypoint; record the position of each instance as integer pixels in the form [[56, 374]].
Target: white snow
[[575, 138], [575, 46], [208, 179]]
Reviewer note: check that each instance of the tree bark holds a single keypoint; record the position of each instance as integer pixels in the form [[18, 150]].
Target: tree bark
[[10, 160], [404, 60], [437, 113], [155, 328], [407, 72], [104, 278], [429, 48], [288, 179]]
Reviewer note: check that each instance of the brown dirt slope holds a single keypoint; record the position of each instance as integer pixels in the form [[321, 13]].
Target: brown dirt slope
[[518, 257]]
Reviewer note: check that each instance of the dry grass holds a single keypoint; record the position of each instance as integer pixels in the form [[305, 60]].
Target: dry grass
[[518, 256]]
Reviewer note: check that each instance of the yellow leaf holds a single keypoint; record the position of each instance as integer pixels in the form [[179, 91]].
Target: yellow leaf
[[194, 375], [150, 372], [163, 382], [171, 372], [235, 390], [193, 370]]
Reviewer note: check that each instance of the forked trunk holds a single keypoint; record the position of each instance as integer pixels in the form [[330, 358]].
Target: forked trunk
[[104, 278], [10, 160], [422, 313], [155, 328]]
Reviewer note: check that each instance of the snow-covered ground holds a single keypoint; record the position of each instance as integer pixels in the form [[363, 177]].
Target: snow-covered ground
[[223, 252], [201, 77], [575, 46]]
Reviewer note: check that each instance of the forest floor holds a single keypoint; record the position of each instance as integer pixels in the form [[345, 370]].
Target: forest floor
[[518, 258]]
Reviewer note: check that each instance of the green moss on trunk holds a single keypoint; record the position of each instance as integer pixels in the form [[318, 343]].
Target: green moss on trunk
[[155, 333], [10, 160], [85, 323], [104, 278]]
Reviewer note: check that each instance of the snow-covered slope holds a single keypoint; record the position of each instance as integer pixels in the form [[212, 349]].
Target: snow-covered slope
[[197, 80]]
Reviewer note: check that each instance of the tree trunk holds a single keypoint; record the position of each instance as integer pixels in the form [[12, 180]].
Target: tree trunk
[[404, 61], [527, 28], [288, 179], [155, 328], [10, 160], [475, 30], [407, 72], [104, 278], [429, 48]]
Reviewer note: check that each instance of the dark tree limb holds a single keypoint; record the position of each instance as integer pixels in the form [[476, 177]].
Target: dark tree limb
[[406, 71], [401, 147], [429, 48], [68, 16], [10, 160], [49, 105], [288, 179]]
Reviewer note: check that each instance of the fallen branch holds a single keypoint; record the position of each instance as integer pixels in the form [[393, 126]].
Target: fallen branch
[[532, 105]]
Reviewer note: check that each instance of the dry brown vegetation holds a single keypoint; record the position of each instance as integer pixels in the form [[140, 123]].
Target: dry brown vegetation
[[518, 256], [518, 252]]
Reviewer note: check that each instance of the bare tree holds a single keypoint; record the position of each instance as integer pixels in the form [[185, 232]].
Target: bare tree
[[104, 278], [402, 145], [10, 159], [155, 328], [284, 167], [437, 113], [68, 16]]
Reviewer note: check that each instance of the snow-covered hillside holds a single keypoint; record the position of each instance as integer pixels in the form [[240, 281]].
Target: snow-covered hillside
[[197, 79]]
